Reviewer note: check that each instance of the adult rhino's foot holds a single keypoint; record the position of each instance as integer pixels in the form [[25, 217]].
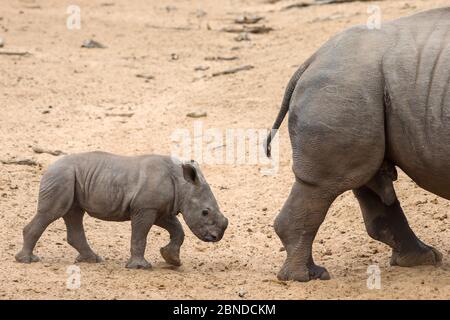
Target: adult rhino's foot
[[171, 255], [89, 258], [303, 274], [26, 257], [421, 255], [138, 263]]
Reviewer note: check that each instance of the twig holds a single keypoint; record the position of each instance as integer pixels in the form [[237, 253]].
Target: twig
[[219, 58], [338, 1], [145, 76], [299, 5], [40, 150], [252, 29], [128, 115], [196, 114], [14, 53], [21, 162], [168, 28], [318, 3], [233, 70]]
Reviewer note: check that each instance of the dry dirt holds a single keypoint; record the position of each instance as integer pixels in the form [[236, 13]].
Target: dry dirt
[[59, 97]]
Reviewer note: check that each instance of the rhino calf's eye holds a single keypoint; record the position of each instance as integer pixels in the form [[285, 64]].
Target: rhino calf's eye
[[205, 212]]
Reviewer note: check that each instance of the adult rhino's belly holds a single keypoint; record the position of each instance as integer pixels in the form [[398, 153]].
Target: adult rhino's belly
[[418, 139], [423, 154], [417, 79]]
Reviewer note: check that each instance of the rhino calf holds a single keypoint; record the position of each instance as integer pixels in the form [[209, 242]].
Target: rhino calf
[[148, 190]]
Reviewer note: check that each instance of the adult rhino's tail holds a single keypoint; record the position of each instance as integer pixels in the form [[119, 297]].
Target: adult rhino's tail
[[285, 105]]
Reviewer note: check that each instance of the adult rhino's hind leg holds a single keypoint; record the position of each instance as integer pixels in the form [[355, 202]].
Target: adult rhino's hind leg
[[336, 126], [297, 225], [76, 236], [388, 224]]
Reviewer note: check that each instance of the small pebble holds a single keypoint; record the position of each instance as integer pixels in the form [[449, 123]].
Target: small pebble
[[91, 44]]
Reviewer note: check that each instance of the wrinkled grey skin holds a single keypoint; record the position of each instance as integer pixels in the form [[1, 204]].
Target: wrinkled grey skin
[[382, 183], [148, 190], [367, 96]]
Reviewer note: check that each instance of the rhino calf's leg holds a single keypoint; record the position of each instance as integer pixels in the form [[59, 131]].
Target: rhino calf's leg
[[141, 222], [171, 252], [56, 195], [297, 225], [388, 224], [76, 236], [31, 234]]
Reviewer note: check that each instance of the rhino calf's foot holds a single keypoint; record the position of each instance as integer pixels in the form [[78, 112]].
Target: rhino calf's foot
[[171, 254], [90, 258], [26, 258], [422, 255], [138, 263]]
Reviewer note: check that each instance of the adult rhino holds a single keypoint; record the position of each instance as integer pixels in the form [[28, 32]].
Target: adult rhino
[[364, 97]]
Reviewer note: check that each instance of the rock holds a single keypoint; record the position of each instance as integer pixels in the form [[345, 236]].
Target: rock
[[242, 292], [171, 8], [408, 6], [92, 44], [440, 216], [2, 43], [200, 13], [243, 36], [248, 19]]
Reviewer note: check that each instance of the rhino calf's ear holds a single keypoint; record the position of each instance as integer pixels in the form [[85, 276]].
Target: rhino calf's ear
[[190, 173]]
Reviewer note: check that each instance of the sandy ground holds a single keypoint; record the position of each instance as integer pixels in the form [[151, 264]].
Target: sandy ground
[[60, 95]]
